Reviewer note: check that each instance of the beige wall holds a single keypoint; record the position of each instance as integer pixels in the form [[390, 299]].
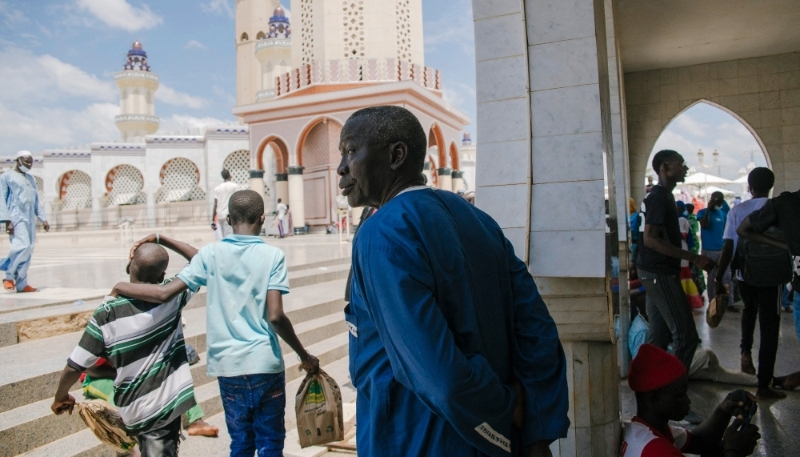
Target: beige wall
[[763, 92]]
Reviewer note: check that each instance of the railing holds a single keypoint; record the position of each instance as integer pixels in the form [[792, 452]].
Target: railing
[[356, 71], [136, 118], [135, 216]]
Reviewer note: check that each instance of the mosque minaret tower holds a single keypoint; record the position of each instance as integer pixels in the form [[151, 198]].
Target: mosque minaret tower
[[137, 87]]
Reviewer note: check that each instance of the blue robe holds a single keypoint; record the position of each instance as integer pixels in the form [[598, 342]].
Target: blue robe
[[20, 204], [444, 317]]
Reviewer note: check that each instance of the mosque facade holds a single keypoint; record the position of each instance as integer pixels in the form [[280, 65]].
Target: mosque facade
[[295, 88]]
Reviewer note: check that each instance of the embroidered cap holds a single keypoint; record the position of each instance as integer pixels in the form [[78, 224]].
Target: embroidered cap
[[654, 368]]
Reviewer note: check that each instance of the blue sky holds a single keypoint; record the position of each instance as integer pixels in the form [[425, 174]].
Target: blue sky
[[58, 57], [709, 128]]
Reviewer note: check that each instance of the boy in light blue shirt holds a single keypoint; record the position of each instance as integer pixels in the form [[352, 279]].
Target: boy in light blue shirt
[[246, 279]]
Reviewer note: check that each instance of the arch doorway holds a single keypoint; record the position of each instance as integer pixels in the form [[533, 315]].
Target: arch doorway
[[179, 182], [75, 190], [719, 148], [124, 185], [238, 164], [318, 154]]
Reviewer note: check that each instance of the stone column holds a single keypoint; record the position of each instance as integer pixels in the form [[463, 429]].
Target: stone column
[[426, 170], [543, 106], [257, 181], [458, 180], [282, 187], [445, 179], [297, 199], [151, 209]]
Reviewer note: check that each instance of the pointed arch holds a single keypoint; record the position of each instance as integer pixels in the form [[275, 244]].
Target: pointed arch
[[454, 160], [281, 153], [436, 138], [301, 139]]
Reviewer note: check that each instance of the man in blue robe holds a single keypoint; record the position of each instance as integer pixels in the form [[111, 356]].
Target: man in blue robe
[[452, 349], [19, 207]]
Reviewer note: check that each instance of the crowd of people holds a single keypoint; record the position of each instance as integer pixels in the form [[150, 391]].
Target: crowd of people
[[747, 248], [452, 347]]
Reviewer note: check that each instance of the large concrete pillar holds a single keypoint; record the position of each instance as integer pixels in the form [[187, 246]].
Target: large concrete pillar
[[257, 181], [544, 125], [297, 199], [445, 179], [458, 180], [426, 170]]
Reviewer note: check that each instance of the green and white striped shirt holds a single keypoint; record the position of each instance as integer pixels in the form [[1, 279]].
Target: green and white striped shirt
[[144, 342]]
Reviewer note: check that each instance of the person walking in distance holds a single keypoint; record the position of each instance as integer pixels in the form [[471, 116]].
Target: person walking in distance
[[20, 206], [659, 263], [759, 302], [222, 194], [281, 208], [712, 227]]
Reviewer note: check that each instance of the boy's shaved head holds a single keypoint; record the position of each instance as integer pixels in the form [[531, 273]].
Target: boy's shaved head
[[150, 262], [245, 206]]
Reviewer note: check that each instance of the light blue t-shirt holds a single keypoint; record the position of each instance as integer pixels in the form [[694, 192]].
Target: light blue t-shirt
[[238, 271], [711, 237]]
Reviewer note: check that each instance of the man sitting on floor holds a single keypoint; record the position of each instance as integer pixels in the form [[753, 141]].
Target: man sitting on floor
[[661, 386]]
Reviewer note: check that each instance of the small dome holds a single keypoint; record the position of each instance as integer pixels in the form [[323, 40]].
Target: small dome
[[137, 46], [279, 12]]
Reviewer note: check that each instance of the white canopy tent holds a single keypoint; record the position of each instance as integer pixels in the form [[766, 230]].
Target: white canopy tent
[[702, 179], [708, 190]]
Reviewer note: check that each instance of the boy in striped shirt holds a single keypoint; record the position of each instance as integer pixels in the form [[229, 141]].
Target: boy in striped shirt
[[144, 342]]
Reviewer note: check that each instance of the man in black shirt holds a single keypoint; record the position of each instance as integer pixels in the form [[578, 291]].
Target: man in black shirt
[[783, 212], [659, 263]]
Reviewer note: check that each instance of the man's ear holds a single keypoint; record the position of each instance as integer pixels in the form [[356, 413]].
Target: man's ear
[[262, 219], [161, 279], [228, 220], [399, 155]]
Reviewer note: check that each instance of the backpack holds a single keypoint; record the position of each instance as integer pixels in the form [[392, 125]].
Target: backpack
[[763, 265]]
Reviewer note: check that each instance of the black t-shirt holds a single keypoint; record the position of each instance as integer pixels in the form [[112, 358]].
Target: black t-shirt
[[783, 212], [659, 209]]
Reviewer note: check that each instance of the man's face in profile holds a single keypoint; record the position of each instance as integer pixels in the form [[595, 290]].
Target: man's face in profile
[[364, 170]]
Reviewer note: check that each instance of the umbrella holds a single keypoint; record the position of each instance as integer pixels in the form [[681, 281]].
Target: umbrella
[[741, 180], [701, 179]]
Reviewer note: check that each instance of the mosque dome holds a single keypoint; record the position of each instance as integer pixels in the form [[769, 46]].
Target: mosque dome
[[279, 12], [137, 58], [467, 139], [279, 24]]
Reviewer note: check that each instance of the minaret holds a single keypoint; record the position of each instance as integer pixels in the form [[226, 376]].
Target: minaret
[[137, 87], [252, 24], [357, 29], [274, 53]]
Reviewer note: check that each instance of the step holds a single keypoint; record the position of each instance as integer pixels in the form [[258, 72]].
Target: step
[[35, 366], [73, 310], [81, 442]]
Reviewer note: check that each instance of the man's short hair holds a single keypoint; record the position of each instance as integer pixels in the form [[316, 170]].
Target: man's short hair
[[226, 175], [761, 179], [661, 157], [152, 261], [395, 124], [690, 208], [245, 206]]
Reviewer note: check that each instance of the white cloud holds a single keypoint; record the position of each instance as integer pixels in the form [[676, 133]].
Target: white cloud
[[689, 124], [458, 94], [217, 7], [194, 44], [172, 97], [27, 79], [10, 16], [456, 28], [180, 122], [121, 14], [47, 127]]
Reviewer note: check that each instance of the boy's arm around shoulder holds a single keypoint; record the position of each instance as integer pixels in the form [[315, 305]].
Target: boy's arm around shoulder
[[151, 293]]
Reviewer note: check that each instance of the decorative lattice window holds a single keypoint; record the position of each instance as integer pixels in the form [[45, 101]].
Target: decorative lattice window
[[403, 25], [75, 190], [179, 179], [353, 26], [124, 184], [148, 97], [306, 31], [39, 186], [238, 163]]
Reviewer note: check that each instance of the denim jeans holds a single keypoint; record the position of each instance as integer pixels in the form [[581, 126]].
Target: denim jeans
[[161, 442], [254, 408]]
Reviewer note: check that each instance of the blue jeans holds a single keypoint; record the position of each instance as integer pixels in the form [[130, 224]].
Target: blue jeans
[[797, 313], [254, 408]]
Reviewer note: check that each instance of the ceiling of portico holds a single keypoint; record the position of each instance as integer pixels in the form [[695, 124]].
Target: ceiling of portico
[[672, 33]]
